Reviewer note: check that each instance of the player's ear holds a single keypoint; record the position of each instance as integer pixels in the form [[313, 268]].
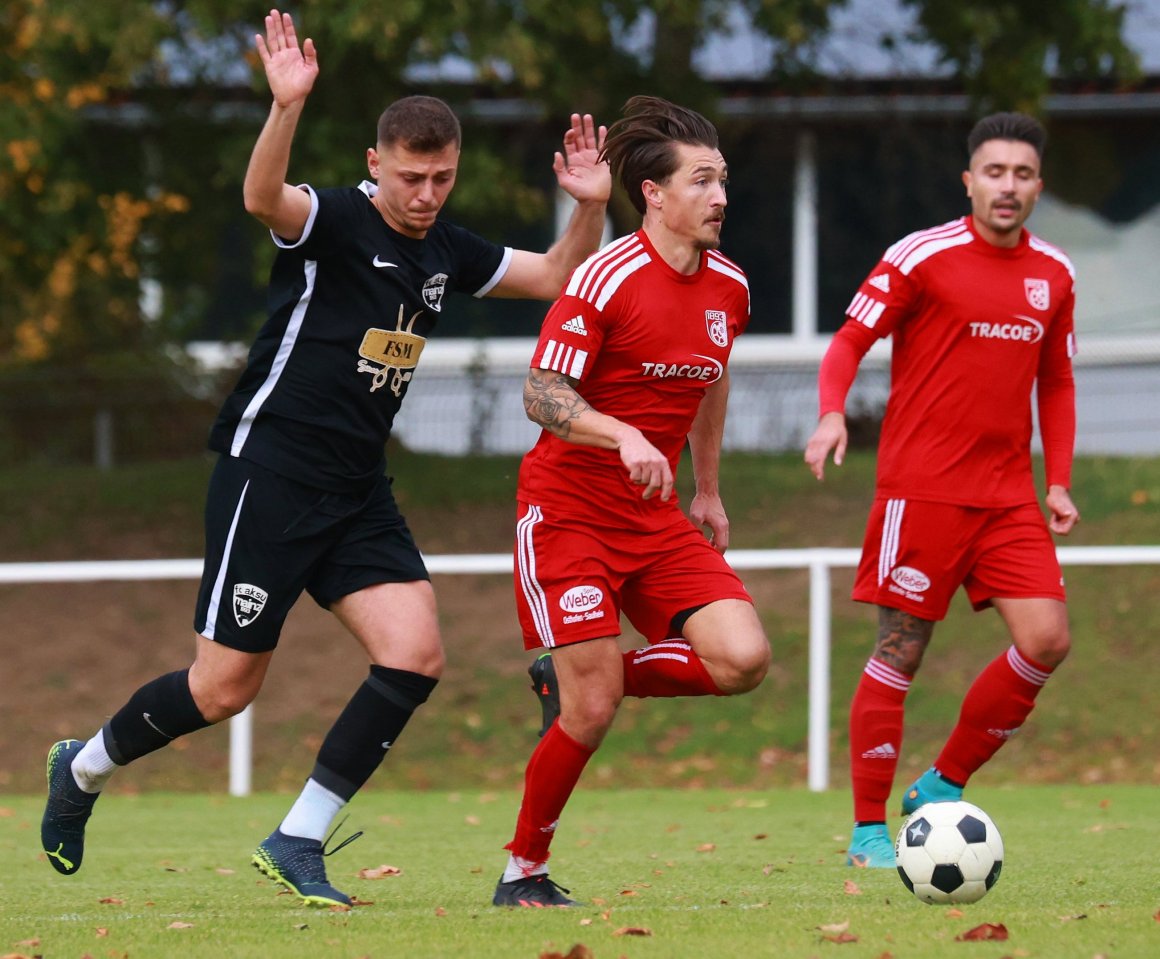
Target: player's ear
[[967, 181], [373, 162], [652, 193]]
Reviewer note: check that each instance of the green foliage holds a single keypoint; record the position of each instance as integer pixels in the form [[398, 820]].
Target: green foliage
[[126, 126], [708, 873], [1006, 51]]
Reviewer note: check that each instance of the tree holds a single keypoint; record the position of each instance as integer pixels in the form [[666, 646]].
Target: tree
[[126, 124], [1006, 51]]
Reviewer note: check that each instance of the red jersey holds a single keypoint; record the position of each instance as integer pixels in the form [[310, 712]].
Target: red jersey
[[975, 327], [643, 342]]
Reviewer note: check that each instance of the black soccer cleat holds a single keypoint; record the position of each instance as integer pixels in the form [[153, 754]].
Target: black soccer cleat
[[296, 863], [532, 892], [546, 688], [67, 811]]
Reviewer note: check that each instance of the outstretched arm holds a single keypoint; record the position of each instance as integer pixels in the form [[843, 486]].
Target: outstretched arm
[[705, 435], [551, 401], [586, 178], [291, 72]]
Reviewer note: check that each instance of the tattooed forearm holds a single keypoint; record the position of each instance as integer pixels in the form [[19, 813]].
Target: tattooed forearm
[[902, 639], [551, 401]]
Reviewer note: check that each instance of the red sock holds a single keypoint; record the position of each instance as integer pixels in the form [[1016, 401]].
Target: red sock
[[994, 708], [668, 668], [876, 718], [552, 774]]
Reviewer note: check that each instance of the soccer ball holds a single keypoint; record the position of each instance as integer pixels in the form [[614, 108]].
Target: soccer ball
[[949, 852]]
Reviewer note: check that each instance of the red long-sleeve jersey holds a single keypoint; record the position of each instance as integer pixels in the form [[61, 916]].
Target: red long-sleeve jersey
[[975, 328]]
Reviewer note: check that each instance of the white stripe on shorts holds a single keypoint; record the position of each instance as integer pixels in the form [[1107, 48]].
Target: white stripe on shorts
[[220, 583], [526, 562], [888, 548]]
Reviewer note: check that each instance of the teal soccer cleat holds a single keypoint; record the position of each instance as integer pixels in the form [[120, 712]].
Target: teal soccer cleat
[[871, 848], [929, 787]]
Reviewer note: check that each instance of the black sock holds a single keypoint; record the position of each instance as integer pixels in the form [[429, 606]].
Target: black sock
[[154, 716], [368, 727]]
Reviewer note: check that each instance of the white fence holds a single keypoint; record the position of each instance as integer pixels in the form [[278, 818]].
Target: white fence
[[819, 562]]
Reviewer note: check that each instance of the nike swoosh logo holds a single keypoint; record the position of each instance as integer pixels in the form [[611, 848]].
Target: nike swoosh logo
[[380, 262]]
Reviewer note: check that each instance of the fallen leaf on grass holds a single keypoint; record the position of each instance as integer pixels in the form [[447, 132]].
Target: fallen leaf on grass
[[222, 871], [841, 937], [578, 951], [472, 820], [6, 813], [380, 872], [180, 925], [301, 926], [629, 892], [1156, 916], [111, 901], [988, 930], [15, 955], [102, 932], [28, 942], [955, 914], [1079, 915], [632, 931], [707, 847], [835, 927], [762, 835], [440, 911], [850, 888], [586, 922], [355, 901]]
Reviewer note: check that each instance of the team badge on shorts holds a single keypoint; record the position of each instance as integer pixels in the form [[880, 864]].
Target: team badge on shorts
[[249, 601], [433, 291], [717, 327], [1038, 292]]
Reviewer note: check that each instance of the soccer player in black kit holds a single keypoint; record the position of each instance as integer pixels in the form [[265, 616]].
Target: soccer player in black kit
[[299, 500]]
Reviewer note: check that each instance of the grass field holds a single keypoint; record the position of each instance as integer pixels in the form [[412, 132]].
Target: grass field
[[1074, 794], [696, 873]]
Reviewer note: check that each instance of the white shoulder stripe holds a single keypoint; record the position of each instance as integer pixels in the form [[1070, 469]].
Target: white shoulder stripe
[[718, 255], [612, 284], [723, 266], [593, 264], [1054, 252], [596, 278], [910, 241], [924, 251]]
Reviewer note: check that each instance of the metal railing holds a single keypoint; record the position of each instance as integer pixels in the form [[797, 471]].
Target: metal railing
[[818, 561]]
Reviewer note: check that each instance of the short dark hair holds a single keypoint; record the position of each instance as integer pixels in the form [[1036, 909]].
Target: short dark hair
[[421, 124], [639, 146], [1007, 126]]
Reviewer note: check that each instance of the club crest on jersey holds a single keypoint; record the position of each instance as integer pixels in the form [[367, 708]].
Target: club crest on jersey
[[717, 327], [249, 601], [433, 291], [1038, 292]]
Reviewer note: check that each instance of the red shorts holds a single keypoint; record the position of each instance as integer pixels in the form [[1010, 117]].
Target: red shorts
[[573, 581], [916, 554]]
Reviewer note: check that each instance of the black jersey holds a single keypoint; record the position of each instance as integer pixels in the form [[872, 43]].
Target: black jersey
[[351, 305]]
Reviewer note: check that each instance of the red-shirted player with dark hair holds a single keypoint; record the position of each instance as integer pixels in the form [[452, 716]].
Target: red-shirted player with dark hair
[[981, 313], [632, 360]]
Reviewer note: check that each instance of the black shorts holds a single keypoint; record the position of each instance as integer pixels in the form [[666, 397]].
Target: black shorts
[[269, 538]]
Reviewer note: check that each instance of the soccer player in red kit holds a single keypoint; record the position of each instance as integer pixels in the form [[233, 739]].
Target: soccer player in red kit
[[981, 313], [632, 360]]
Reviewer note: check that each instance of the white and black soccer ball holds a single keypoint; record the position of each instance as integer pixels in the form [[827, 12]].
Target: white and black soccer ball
[[949, 852]]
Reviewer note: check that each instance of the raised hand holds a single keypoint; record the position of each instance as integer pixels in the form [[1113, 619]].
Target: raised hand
[[290, 71], [579, 171]]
